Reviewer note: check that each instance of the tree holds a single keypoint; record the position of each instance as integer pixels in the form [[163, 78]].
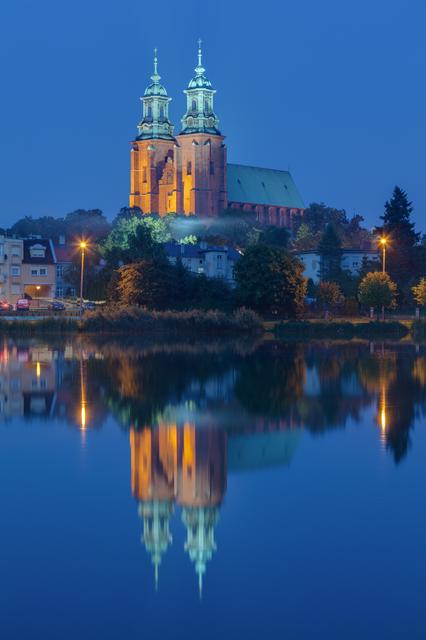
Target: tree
[[403, 249], [419, 293], [146, 283], [305, 239], [275, 237], [134, 238], [90, 223], [270, 281], [377, 289], [329, 294], [331, 254]]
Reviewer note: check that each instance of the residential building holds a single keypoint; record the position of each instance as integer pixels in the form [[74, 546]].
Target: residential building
[[202, 258], [64, 256], [188, 173], [39, 270], [11, 254], [351, 260]]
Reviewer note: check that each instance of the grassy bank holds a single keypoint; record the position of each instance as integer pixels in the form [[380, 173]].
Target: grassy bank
[[305, 329], [136, 321]]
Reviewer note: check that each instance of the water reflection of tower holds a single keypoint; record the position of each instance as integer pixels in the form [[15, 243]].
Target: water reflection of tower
[[154, 475], [184, 465], [201, 489]]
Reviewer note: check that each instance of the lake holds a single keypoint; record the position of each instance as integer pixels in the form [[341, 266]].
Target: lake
[[212, 489]]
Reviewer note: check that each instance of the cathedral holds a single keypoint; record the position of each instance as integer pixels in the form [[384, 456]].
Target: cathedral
[[188, 173]]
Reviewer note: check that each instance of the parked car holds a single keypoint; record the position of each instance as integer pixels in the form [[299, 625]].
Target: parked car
[[22, 304], [56, 305], [5, 306], [89, 305]]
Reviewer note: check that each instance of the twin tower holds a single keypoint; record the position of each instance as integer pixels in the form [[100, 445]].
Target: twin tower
[[185, 173]]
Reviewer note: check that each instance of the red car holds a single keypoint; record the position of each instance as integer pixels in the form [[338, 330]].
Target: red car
[[5, 306], [23, 304]]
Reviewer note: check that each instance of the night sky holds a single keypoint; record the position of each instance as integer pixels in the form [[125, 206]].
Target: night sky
[[333, 90]]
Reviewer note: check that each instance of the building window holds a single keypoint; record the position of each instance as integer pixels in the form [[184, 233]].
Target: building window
[[37, 251], [59, 270], [16, 250], [189, 168], [206, 107], [43, 272], [149, 111], [15, 271], [15, 290], [34, 272], [212, 168], [194, 105], [59, 292], [144, 174]]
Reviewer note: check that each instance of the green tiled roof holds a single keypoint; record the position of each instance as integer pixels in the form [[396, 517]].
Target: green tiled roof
[[268, 187]]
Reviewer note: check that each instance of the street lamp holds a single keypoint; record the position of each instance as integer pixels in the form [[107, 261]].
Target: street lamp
[[83, 246], [383, 242]]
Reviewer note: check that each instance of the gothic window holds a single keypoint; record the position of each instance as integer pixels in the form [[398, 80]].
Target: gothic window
[[189, 168]]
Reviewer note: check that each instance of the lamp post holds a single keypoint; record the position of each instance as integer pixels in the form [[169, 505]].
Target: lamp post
[[83, 246], [383, 242]]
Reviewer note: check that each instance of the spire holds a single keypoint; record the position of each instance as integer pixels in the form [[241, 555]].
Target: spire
[[155, 77], [199, 69]]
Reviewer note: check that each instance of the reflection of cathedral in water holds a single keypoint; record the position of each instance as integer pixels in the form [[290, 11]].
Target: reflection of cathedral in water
[[188, 466]]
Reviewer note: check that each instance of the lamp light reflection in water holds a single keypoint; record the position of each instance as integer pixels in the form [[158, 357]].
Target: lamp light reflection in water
[[83, 411]]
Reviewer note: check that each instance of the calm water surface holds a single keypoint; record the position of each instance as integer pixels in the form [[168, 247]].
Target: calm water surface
[[212, 490]]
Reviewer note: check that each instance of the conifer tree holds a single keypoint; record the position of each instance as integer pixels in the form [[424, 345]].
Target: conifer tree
[[402, 261], [331, 253]]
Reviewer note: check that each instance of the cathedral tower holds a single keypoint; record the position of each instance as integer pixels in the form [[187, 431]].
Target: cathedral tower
[[202, 153], [153, 178]]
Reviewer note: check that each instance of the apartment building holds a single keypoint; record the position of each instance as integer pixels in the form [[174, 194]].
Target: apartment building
[[11, 255]]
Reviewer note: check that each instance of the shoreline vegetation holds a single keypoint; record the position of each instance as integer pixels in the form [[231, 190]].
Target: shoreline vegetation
[[135, 321]]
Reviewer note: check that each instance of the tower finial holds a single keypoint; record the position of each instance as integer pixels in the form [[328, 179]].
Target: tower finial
[[200, 53], [155, 62]]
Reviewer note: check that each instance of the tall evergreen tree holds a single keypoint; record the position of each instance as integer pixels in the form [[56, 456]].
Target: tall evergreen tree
[[402, 257], [330, 250]]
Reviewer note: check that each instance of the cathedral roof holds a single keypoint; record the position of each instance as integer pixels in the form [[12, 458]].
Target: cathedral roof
[[155, 88], [269, 187]]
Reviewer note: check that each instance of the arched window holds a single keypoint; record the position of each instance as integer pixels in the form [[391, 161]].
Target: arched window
[[194, 105], [161, 112], [149, 111], [206, 107]]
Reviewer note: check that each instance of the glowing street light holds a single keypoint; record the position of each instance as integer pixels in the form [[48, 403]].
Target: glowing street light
[[383, 241], [83, 246]]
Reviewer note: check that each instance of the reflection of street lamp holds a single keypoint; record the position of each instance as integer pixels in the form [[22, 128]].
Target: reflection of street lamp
[[83, 245], [383, 242]]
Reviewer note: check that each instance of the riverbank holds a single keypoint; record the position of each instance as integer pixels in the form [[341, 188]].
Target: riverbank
[[134, 321], [338, 329]]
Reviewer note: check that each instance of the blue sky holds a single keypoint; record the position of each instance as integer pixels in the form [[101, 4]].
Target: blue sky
[[333, 90]]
